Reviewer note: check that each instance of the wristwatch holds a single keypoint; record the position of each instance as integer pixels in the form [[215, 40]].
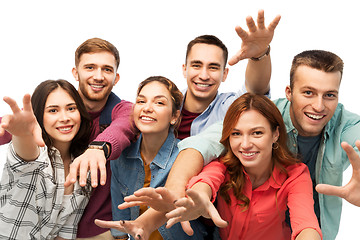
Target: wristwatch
[[105, 146]]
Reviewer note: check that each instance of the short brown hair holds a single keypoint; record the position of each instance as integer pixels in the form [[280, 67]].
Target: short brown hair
[[94, 45], [207, 39], [317, 59]]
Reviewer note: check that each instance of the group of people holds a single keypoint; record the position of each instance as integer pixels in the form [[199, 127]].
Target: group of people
[[85, 164]]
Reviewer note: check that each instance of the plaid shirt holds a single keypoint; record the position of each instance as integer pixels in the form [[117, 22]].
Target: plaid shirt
[[32, 200]]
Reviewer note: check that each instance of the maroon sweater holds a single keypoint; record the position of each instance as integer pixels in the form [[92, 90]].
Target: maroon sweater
[[119, 134]]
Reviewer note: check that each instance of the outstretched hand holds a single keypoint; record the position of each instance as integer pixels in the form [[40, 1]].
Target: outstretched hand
[[22, 122], [160, 199], [192, 207], [351, 191], [256, 41], [130, 227]]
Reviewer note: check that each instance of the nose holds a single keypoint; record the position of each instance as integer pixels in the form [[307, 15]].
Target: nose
[[318, 104], [246, 142], [98, 74], [64, 117], [204, 75], [148, 107]]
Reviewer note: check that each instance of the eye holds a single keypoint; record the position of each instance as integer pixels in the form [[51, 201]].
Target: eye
[[308, 93], [196, 65], [52, 110], [215, 68], [140, 101], [72, 108], [235, 134], [108, 70], [257, 133], [330, 95], [160, 103], [89, 67]]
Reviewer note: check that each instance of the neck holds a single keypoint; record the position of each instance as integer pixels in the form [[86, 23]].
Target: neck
[[93, 106], [151, 144], [64, 149], [194, 104], [259, 175]]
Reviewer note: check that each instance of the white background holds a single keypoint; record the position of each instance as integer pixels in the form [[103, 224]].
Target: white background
[[39, 38]]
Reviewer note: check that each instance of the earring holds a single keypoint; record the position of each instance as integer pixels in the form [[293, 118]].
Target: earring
[[275, 145], [172, 122]]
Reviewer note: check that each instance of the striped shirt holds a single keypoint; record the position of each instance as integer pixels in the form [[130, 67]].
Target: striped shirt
[[32, 200]]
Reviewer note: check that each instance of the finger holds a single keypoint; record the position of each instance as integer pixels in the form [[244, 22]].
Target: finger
[[166, 194], [240, 55], [353, 156], [106, 224], [102, 169], [83, 171], [274, 23], [261, 19], [94, 170], [251, 24], [330, 190], [241, 33], [12, 104], [172, 221], [147, 191], [27, 103], [71, 177], [187, 228], [215, 216], [177, 213], [125, 205], [37, 133]]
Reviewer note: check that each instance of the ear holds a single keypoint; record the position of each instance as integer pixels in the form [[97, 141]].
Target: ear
[[276, 134], [225, 74], [288, 93], [184, 70], [175, 117], [75, 73], [117, 78]]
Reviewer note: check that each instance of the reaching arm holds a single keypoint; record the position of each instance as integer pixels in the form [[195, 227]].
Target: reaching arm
[[351, 191], [118, 136], [25, 129], [255, 45]]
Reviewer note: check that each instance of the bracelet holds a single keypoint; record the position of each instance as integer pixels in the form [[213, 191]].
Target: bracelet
[[262, 56]]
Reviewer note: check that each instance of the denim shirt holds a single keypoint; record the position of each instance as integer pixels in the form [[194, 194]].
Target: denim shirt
[[330, 164], [128, 175]]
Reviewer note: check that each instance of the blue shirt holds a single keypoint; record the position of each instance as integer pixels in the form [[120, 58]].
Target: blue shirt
[[215, 111], [128, 175], [330, 163]]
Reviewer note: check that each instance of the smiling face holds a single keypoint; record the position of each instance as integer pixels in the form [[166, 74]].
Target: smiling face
[[61, 117], [153, 110], [204, 71], [251, 141], [96, 73], [314, 99]]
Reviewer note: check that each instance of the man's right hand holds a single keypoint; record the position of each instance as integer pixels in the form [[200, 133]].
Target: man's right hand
[[93, 160]]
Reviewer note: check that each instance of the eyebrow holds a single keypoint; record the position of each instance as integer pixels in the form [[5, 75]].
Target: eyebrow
[[314, 89], [251, 129], [156, 97], [200, 62], [67, 105]]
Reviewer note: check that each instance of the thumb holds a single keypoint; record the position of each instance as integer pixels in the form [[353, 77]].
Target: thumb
[[330, 190], [37, 133]]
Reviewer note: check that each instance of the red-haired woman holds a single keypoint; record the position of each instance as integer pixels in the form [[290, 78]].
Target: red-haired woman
[[256, 180]]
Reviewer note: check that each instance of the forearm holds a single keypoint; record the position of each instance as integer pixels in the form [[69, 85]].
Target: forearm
[[25, 147], [188, 164], [203, 189], [257, 75], [308, 234]]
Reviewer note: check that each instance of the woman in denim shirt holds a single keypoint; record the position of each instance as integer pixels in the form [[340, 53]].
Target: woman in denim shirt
[[147, 162]]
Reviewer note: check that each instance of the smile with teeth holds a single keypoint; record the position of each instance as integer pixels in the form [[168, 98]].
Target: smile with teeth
[[315, 117], [202, 85], [97, 86], [147, 118], [64, 129], [248, 154]]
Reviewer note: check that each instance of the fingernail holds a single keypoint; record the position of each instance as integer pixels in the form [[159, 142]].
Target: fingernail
[[122, 221], [174, 201], [138, 236]]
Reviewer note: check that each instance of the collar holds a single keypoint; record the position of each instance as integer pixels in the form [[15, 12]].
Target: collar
[[162, 157]]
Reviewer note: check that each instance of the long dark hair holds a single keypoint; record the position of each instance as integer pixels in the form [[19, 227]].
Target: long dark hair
[[38, 99], [281, 155]]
